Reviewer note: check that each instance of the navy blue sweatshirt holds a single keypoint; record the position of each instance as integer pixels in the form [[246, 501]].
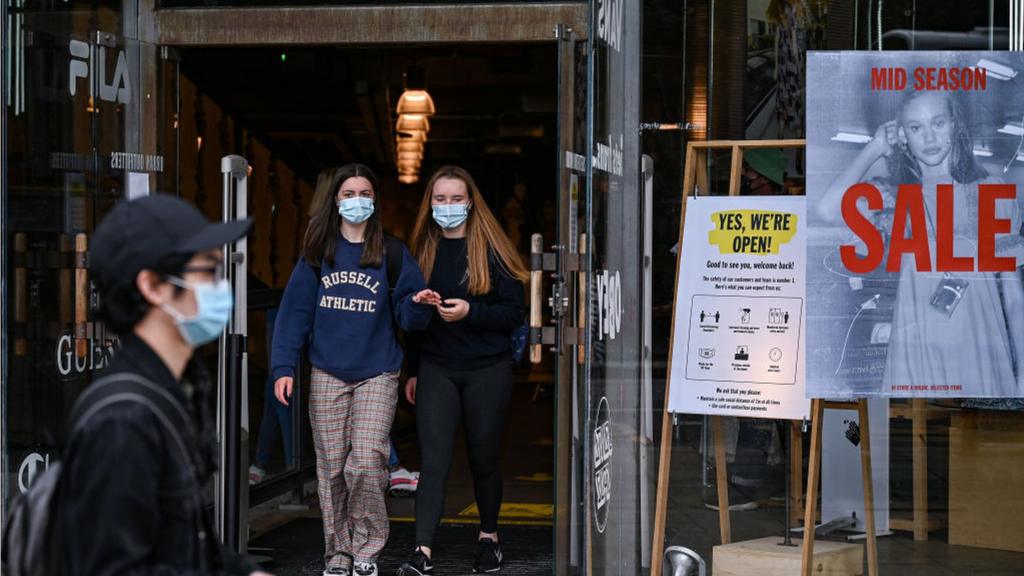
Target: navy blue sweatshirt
[[348, 312], [483, 337]]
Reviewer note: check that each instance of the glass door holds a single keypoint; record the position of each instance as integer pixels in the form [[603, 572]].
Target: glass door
[[567, 296], [613, 429], [595, 298], [81, 133]]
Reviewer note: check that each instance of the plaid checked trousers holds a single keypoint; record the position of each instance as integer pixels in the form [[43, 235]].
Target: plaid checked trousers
[[351, 424]]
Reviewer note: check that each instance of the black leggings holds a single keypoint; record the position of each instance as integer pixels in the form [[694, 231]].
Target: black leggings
[[480, 398]]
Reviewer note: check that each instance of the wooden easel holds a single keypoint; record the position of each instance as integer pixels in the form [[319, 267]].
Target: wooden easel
[[695, 182], [814, 476]]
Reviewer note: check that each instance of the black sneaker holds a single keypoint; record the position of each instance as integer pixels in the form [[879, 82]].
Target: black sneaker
[[488, 559], [419, 565]]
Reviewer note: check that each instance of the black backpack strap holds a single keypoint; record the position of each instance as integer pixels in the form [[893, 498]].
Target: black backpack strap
[[316, 269], [393, 249], [128, 387]]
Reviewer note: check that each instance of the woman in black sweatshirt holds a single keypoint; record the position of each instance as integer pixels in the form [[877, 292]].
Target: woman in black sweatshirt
[[460, 368]]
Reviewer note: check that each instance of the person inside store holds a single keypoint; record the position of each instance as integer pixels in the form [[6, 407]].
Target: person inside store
[[276, 423], [339, 300], [141, 448], [460, 368], [402, 481], [764, 172], [955, 332]]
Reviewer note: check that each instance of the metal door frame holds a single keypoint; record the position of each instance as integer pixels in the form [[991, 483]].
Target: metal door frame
[[569, 301], [232, 497]]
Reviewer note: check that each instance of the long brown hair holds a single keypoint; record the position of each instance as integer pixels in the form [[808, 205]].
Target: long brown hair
[[484, 236], [324, 221]]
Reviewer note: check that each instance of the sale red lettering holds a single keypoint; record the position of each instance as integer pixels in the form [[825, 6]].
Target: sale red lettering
[[910, 208]]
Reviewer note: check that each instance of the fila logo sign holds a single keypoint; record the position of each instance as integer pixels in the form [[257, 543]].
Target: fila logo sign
[[87, 60]]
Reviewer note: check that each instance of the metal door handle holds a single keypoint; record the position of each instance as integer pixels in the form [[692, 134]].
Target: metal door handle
[[562, 265], [536, 293]]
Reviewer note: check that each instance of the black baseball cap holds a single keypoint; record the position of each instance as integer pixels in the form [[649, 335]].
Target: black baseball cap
[[139, 234]]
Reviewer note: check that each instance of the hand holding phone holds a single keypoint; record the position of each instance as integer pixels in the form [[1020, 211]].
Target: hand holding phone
[[453, 309]]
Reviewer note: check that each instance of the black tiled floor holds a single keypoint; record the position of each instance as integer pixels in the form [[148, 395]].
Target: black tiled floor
[[527, 464], [297, 548]]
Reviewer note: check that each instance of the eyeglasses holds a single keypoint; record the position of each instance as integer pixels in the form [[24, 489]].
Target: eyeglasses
[[217, 270]]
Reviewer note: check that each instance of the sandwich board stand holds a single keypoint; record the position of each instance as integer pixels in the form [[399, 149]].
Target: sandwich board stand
[[762, 556]]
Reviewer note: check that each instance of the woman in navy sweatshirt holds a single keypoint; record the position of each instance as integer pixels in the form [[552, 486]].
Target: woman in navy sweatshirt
[[460, 368], [339, 300]]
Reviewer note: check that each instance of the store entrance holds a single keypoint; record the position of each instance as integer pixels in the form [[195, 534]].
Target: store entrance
[[289, 112]]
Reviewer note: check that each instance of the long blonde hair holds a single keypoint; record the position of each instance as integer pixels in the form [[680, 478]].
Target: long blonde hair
[[484, 236]]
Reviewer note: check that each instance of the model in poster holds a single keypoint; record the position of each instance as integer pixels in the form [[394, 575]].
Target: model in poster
[[955, 333]]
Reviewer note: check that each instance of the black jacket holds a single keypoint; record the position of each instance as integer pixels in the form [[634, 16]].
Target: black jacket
[[131, 504]]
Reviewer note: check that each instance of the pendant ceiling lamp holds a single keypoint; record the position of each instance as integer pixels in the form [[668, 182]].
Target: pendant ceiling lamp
[[414, 106], [414, 156], [411, 136], [409, 146], [415, 102], [415, 99], [410, 161], [408, 122]]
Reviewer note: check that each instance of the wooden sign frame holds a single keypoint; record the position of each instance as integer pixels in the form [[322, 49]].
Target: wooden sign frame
[[695, 182], [818, 408]]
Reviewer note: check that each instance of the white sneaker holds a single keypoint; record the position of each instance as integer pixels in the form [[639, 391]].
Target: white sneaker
[[256, 475], [365, 569], [337, 571], [403, 482]]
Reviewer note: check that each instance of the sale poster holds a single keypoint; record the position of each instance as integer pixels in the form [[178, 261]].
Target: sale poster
[[914, 164]]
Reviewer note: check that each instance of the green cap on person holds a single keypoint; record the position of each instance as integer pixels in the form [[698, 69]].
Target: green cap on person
[[769, 162]]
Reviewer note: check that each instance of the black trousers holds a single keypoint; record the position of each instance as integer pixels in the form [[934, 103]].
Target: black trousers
[[480, 399]]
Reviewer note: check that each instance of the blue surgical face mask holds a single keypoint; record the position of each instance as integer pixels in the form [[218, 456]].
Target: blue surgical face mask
[[356, 210], [214, 304], [450, 216]]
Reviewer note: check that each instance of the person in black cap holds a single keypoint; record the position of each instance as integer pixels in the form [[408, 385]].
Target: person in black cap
[[142, 443]]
